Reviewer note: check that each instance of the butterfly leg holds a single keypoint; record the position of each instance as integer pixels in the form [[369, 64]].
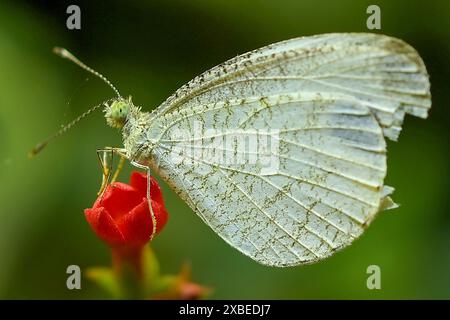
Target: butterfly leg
[[119, 168], [147, 169], [106, 159]]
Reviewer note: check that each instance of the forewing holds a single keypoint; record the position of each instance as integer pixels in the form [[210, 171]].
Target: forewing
[[383, 73]]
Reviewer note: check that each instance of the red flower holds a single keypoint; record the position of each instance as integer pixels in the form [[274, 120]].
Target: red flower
[[121, 216]]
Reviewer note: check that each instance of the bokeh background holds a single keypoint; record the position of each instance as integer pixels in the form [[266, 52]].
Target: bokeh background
[[149, 49]]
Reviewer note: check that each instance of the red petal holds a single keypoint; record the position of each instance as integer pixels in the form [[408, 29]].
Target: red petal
[[139, 181], [137, 226], [103, 225], [119, 199], [161, 215], [155, 191]]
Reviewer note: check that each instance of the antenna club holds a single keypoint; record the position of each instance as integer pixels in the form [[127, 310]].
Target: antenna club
[[38, 148], [63, 53], [57, 50]]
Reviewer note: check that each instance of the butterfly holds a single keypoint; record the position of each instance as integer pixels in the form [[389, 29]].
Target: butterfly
[[281, 151]]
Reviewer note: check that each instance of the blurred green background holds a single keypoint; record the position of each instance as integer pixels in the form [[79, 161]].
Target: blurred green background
[[149, 49]]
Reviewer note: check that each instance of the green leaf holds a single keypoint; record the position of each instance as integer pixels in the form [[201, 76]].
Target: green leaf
[[106, 279], [151, 271]]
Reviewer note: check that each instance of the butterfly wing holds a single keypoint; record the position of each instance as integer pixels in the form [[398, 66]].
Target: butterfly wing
[[384, 73], [325, 104]]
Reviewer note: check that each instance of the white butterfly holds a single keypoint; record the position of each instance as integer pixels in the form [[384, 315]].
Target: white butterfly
[[325, 102]]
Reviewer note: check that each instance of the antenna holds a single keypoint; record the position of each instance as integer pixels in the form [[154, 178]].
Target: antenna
[[63, 53], [41, 145]]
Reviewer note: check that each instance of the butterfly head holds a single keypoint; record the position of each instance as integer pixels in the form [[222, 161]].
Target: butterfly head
[[117, 112]]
